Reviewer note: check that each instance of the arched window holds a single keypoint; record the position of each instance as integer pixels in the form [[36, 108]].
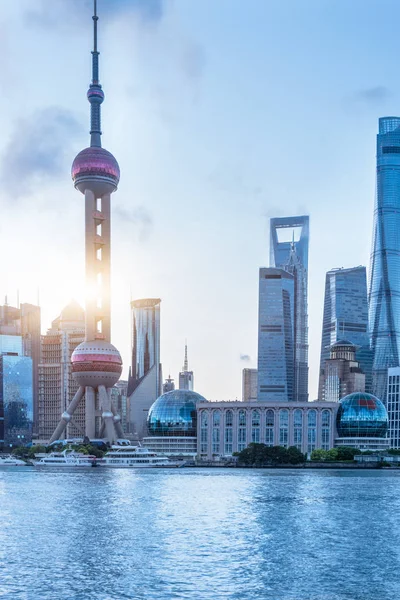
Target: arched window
[[203, 432], [312, 430], [228, 432], [326, 429], [216, 435], [298, 428], [255, 426], [283, 427], [242, 430], [269, 427]]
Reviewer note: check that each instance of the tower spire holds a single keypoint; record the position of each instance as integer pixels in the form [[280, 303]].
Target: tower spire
[[186, 364], [95, 93]]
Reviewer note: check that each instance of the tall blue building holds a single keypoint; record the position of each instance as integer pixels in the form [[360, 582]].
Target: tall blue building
[[346, 317], [276, 318], [292, 256], [16, 393], [384, 292]]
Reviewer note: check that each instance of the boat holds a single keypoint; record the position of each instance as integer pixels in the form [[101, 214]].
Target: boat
[[65, 459], [133, 457], [6, 460]]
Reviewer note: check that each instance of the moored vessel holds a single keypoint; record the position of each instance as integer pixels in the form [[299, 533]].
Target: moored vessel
[[65, 459], [132, 457], [11, 461]]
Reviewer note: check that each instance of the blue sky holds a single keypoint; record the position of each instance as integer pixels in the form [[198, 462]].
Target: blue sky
[[221, 115]]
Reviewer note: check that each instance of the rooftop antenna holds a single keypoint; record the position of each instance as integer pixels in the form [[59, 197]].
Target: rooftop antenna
[[185, 364]]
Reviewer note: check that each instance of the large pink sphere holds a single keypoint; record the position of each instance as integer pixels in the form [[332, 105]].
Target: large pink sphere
[[96, 363], [97, 170]]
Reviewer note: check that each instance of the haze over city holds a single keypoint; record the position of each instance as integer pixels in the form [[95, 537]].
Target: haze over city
[[222, 115]]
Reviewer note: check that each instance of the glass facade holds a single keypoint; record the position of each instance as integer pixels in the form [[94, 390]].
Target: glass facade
[[298, 428], [276, 336], [228, 432], [326, 429], [361, 415], [256, 426], [174, 414], [283, 427], [216, 432], [384, 292], [312, 430], [292, 256], [242, 430], [16, 400], [145, 342], [346, 318], [269, 427]]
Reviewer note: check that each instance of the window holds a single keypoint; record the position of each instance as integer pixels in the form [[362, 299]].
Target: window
[[269, 427], [312, 430], [298, 428], [242, 430], [255, 426], [228, 432], [204, 432], [326, 429], [216, 432], [283, 427]]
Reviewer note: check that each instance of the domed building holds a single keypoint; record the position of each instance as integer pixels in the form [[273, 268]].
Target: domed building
[[362, 422], [172, 423]]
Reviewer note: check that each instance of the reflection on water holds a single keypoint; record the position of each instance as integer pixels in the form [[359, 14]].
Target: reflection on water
[[199, 534]]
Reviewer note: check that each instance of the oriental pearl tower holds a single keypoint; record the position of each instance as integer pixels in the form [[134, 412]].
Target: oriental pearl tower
[[96, 363]]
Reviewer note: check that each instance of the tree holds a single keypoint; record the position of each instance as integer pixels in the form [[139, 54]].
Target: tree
[[319, 455], [347, 453], [260, 454]]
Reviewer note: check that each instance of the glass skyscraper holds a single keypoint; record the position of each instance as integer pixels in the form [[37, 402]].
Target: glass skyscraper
[[346, 317], [16, 398], [276, 335], [292, 256], [384, 292]]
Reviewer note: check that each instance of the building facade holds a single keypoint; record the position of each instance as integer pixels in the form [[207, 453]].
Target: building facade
[[393, 406], [346, 317], [341, 374], [56, 384], [25, 321], [384, 292], [16, 393], [276, 335], [227, 427], [292, 256], [249, 385], [145, 377]]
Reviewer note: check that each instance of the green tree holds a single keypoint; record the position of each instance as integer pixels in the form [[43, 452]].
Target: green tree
[[319, 455]]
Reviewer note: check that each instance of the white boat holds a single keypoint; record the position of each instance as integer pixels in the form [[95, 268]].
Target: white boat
[[65, 459], [10, 461], [133, 457]]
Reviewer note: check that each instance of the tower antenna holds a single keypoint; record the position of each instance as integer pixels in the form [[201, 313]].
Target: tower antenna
[[95, 93], [186, 364]]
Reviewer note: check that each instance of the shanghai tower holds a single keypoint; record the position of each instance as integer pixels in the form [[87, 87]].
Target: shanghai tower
[[384, 292]]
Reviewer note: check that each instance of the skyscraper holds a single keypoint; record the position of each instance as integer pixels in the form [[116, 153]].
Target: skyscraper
[[96, 363], [341, 374], [292, 256], [276, 335], [56, 384], [145, 377], [186, 377], [16, 393], [249, 385], [384, 291], [346, 318], [25, 321]]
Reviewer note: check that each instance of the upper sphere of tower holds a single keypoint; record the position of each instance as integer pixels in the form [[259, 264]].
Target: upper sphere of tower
[[96, 363], [97, 170]]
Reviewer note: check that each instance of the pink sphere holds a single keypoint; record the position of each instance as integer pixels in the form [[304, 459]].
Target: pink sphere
[[97, 170], [96, 363]]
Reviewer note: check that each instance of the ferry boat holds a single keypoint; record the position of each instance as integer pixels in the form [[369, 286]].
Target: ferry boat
[[65, 459], [11, 461], [133, 457]]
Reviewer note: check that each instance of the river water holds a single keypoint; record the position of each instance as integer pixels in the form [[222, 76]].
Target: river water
[[200, 534]]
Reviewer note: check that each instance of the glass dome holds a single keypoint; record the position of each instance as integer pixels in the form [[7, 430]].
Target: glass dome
[[361, 415], [174, 414]]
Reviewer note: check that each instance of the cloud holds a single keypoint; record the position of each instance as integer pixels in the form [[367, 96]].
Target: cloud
[[373, 95], [245, 357], [138, 219], [73, 12], [39, 149]]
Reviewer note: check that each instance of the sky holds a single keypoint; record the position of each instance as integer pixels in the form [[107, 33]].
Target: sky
[[221, 115]]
